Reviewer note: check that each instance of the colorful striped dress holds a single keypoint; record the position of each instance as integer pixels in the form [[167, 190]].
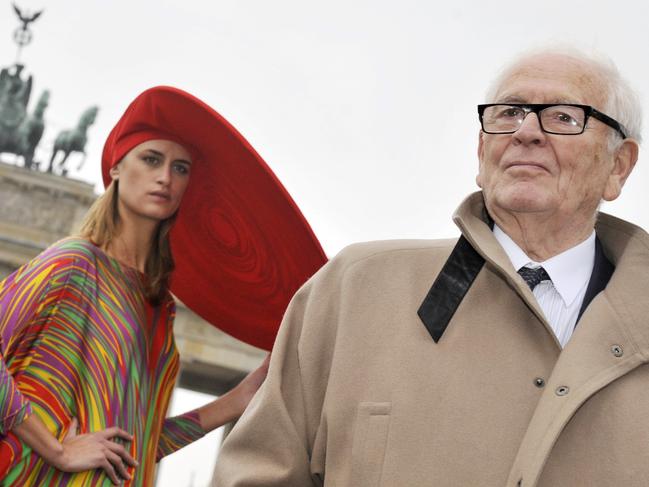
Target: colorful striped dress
[[78, 339]]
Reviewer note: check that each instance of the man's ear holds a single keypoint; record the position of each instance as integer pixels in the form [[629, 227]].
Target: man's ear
[[624, 162], [114, 172], [478, 179]]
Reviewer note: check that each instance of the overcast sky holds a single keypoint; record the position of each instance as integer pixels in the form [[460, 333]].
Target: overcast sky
[[364, 109]]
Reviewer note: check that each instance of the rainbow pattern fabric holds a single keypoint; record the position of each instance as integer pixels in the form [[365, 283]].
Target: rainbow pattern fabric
[[78, 339]]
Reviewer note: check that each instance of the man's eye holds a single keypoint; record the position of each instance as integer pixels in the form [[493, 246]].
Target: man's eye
[[565, 118], [511, 113]]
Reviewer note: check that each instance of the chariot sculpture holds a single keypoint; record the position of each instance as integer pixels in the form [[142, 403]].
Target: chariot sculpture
[[21, 130]]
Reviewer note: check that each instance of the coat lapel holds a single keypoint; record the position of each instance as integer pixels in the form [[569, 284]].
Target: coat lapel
[[602, 272]]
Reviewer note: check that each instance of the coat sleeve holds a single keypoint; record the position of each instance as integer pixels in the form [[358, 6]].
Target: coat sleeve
[[278, 441], [24, 296], [178, 432]]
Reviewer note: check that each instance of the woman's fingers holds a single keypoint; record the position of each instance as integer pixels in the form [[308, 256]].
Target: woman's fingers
[[110, 471], [124, 455], [116, 432], [118, 465]]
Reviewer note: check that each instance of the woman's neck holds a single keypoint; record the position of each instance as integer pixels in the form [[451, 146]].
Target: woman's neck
[[132, 243]]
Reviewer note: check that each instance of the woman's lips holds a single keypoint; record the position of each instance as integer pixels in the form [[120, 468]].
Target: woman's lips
[[160, 195]]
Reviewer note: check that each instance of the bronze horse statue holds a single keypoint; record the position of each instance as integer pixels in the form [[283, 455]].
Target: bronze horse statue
[[14, 97], [31, 130], [73, 140], [20, 131]]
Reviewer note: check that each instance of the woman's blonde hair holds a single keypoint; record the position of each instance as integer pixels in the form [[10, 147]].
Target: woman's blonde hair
[[101, 226]]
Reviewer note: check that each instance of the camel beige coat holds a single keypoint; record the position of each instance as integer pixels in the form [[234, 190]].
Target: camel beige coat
[[359, 395]]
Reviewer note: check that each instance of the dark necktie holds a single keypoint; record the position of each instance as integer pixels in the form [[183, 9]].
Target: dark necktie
[[533, 276]]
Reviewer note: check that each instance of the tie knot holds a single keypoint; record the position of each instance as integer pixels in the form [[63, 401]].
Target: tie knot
[[533, 276]]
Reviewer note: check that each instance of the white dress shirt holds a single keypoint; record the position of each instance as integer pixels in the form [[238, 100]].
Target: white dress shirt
[[570, 272]]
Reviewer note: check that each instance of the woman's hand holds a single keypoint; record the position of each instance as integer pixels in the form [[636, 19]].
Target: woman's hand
[[96, 450], [77, 453], [231, 405]]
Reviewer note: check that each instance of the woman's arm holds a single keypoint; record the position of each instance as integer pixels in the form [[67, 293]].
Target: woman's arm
[[231, 405], [179, 431], [78, 452]]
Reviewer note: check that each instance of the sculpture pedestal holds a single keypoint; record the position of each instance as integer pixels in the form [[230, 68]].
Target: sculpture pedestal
[[36, 209]]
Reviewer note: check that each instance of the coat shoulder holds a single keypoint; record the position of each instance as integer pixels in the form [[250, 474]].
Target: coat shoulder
[[385, 251], [377, 262]]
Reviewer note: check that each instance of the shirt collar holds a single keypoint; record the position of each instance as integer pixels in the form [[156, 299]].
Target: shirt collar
[[570, 270]]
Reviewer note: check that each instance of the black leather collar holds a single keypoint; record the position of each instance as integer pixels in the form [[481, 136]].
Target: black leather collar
[[450, 287]]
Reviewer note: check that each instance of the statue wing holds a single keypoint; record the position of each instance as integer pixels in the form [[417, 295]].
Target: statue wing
[[18, 12], [35, 16]]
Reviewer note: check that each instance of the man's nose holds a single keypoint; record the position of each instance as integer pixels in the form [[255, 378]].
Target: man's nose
[[530, 131]]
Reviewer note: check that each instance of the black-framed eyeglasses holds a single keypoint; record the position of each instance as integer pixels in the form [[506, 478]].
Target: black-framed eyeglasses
[[554, 118]]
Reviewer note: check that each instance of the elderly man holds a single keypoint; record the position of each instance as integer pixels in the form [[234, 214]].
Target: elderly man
[[525, 363]]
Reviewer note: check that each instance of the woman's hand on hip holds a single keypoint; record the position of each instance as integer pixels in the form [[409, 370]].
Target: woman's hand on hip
[[96, 450], [77, 453]]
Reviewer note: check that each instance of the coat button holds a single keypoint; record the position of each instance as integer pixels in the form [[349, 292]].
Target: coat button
[[539, 382], [562, 390], [519, 483], [617, 350]]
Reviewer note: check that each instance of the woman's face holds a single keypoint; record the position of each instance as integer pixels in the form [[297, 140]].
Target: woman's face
[[152, 179]]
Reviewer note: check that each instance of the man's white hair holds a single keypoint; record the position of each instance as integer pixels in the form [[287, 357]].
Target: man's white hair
[[622, 102]]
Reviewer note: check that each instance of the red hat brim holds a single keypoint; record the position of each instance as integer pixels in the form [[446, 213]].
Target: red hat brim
[[241, 245]]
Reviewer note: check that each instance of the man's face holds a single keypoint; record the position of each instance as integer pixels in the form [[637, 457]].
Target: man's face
[[529, 171]]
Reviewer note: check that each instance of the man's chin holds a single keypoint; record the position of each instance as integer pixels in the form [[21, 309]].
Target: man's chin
[[523, 200]]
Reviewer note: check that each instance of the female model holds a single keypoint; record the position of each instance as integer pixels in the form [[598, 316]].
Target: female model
[[88, 356]]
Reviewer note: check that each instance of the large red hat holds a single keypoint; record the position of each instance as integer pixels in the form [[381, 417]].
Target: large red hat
[[241, 244]]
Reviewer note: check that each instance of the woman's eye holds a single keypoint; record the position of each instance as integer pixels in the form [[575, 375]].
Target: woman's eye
[[181, 168], [150, 160]]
